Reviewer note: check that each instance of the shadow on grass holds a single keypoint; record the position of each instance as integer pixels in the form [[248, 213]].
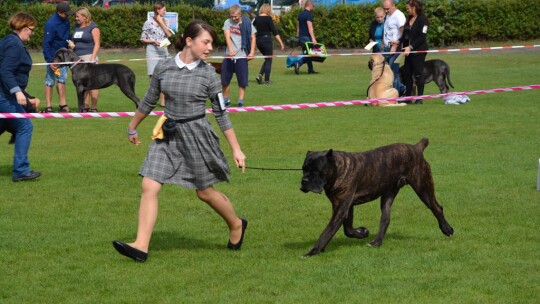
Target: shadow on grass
[[5, 170], [347, 242], [167, 240]]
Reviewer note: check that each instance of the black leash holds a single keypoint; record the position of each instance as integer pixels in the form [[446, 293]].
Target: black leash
[[382, 71], [272, 169]]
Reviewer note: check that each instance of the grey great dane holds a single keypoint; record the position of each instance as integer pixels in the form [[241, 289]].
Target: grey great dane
[[438, 71], [89, 76], [350, 179]]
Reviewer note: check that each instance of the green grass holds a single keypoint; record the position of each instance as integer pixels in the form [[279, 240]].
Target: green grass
[[56, 233]]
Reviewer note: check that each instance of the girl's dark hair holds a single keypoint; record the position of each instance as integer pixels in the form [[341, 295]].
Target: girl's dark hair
[[193, 30], [417, 6]]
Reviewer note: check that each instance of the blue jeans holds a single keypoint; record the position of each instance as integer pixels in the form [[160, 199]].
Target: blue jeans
[[305, 60], [23, 135], [395, 69]]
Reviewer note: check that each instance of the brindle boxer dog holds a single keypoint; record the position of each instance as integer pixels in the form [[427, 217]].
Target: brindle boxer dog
[[89, 76], [350, 179], [381, 82]]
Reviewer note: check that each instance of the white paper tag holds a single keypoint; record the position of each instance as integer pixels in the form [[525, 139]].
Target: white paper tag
[[221, 102], [424, 29], [78, 35], [370, 45]]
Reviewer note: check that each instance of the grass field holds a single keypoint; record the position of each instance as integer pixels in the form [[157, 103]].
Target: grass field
[[56, 233]]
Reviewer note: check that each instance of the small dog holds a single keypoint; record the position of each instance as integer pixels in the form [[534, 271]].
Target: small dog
[[89, 76], [435, 70], [350, 179], [382, 79]]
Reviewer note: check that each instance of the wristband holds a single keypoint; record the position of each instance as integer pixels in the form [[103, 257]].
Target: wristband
[[131, 133]]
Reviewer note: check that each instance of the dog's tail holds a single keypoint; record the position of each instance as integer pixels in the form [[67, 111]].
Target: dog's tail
[[423, 143], [448, 76]]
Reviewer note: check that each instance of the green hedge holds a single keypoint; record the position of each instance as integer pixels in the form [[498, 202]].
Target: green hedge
[[342, 26]]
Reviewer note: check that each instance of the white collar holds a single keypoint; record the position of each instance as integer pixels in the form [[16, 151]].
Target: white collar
[[181, 64]]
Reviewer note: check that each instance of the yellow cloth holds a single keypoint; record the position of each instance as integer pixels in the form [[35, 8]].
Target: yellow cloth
[[56, 72], [158, 130]]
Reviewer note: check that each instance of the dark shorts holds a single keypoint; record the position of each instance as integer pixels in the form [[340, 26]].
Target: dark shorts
[[234, 66]]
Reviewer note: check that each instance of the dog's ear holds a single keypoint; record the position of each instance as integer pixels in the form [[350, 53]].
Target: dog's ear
[[330, 157]]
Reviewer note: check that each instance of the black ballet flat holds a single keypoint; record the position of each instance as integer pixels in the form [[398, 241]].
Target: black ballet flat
[[239, 244], [131, 252]]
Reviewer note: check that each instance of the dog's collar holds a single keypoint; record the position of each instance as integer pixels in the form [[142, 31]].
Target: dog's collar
[[378, 63], [71, 66]]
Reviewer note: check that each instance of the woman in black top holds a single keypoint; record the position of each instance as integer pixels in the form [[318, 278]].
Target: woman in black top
[[414, 39], [265, 32]]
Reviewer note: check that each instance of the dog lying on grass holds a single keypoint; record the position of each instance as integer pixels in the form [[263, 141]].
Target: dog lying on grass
[[350, 179]]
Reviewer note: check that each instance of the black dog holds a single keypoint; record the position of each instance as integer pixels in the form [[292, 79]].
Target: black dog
[[89, 76], [4, 122], [435, 70], [350, 179]]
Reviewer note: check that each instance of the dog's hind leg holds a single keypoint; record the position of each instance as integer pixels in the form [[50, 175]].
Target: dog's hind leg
[[127, 86], [359, 233], [424, 187], [338, 215], [387, 199]]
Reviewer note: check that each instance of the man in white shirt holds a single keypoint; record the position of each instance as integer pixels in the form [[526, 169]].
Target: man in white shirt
[[393, 29]]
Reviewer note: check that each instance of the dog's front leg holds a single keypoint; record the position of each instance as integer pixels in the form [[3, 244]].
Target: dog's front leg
[[386, 204], [359, 233], [338, 215], [80, 98]]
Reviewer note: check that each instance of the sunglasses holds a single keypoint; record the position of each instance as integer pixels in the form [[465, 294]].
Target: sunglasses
[[31, 29]]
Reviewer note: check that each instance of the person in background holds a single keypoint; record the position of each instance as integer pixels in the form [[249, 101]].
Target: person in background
[[240, 38], [376, 30], [393, 29], [56, 37], [190, 154], [86, 43], [15, 66], [304, 30], [266, 30], [154, 31], [414, 39]]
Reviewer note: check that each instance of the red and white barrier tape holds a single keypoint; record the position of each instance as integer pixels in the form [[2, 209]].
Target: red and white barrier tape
[[273, 107], [360, 53]]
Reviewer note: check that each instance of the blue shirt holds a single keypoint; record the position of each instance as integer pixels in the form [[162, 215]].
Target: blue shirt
[[15, 65], [56, 36], [303, 19]]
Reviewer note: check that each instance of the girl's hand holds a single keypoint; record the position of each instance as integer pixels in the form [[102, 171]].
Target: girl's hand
[[240, 160]]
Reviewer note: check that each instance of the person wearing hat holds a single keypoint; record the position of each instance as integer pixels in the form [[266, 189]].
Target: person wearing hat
[[55, 38]]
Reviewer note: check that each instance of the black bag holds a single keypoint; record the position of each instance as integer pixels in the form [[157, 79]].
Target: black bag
[[168, 127]]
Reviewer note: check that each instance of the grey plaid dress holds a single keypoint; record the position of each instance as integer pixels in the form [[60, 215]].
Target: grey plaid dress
[[192, 157]]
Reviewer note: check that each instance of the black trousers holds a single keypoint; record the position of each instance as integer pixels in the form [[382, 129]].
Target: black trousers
[[413, 71], [265, 44]]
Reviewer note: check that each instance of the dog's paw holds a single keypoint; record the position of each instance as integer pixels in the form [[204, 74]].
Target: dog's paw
[[358, 233], [312, 252], [375, 244]]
